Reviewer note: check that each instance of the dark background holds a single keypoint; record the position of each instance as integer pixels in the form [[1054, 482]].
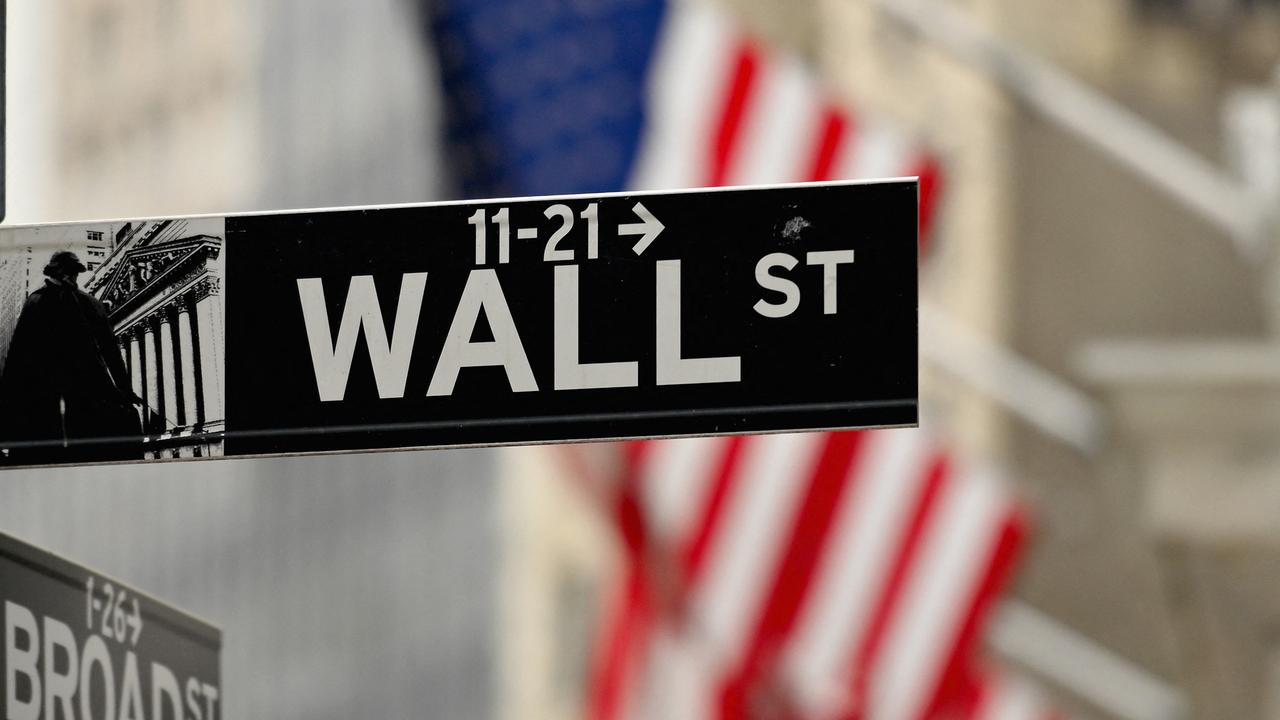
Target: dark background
[[832, 364]]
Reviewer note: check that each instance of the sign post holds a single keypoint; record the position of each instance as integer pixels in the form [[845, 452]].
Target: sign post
[[736, 310], [83, 645]]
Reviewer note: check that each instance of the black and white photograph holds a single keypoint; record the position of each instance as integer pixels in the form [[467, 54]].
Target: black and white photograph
[[111, 341]]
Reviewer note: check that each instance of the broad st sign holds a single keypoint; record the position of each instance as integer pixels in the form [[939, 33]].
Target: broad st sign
[[79, 645], [494, 322]]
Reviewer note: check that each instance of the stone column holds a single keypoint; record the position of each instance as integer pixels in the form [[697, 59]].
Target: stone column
[[151, 369], [209, 333], [135, 361], [168, 370], [1202, 422], [191, 400]]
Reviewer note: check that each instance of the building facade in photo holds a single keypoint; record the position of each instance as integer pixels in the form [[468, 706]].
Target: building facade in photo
[[162, 286]]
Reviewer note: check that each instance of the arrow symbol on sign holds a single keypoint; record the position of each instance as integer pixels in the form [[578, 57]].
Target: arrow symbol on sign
[[648, 230], [135, 621]]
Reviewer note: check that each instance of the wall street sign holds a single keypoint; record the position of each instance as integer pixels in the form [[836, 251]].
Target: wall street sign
[[79, 645], [502, 321]]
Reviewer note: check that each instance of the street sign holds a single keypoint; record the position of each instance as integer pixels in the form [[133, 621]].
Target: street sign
[[77, 644], [736, 310]]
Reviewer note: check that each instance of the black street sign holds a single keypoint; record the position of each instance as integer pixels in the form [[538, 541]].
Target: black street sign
[[736, 310], [77, 644]]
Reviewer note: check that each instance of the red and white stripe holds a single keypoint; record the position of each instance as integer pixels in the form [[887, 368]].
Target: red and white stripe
[[818, 575], [724, 111]]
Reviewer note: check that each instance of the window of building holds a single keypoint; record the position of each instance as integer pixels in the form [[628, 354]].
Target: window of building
[[95, 235]]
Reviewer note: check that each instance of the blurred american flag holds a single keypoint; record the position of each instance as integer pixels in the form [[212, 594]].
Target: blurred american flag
[[724, 110], [802, 575], [841, 575]]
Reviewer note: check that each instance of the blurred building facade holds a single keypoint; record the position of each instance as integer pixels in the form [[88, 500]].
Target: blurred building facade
[[347, 105], [559, 562], [359, 586], [1156, 547], [1048, 245], [346, 587], [133, 108]]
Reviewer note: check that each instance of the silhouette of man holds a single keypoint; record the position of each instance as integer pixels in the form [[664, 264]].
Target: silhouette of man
[[65, 394]]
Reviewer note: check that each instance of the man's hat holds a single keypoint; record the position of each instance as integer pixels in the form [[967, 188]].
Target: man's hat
[[63, 262]]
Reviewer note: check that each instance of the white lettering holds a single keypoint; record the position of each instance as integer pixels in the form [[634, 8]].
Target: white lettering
[[193, 699], [332, 360], [59, 688], [131, 691], [164, 690], [672, 368], [95, 653], [830, 260], [19, 661], [569, 373], [483, 291], [789, 290], [64, 680], [210, 700]]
